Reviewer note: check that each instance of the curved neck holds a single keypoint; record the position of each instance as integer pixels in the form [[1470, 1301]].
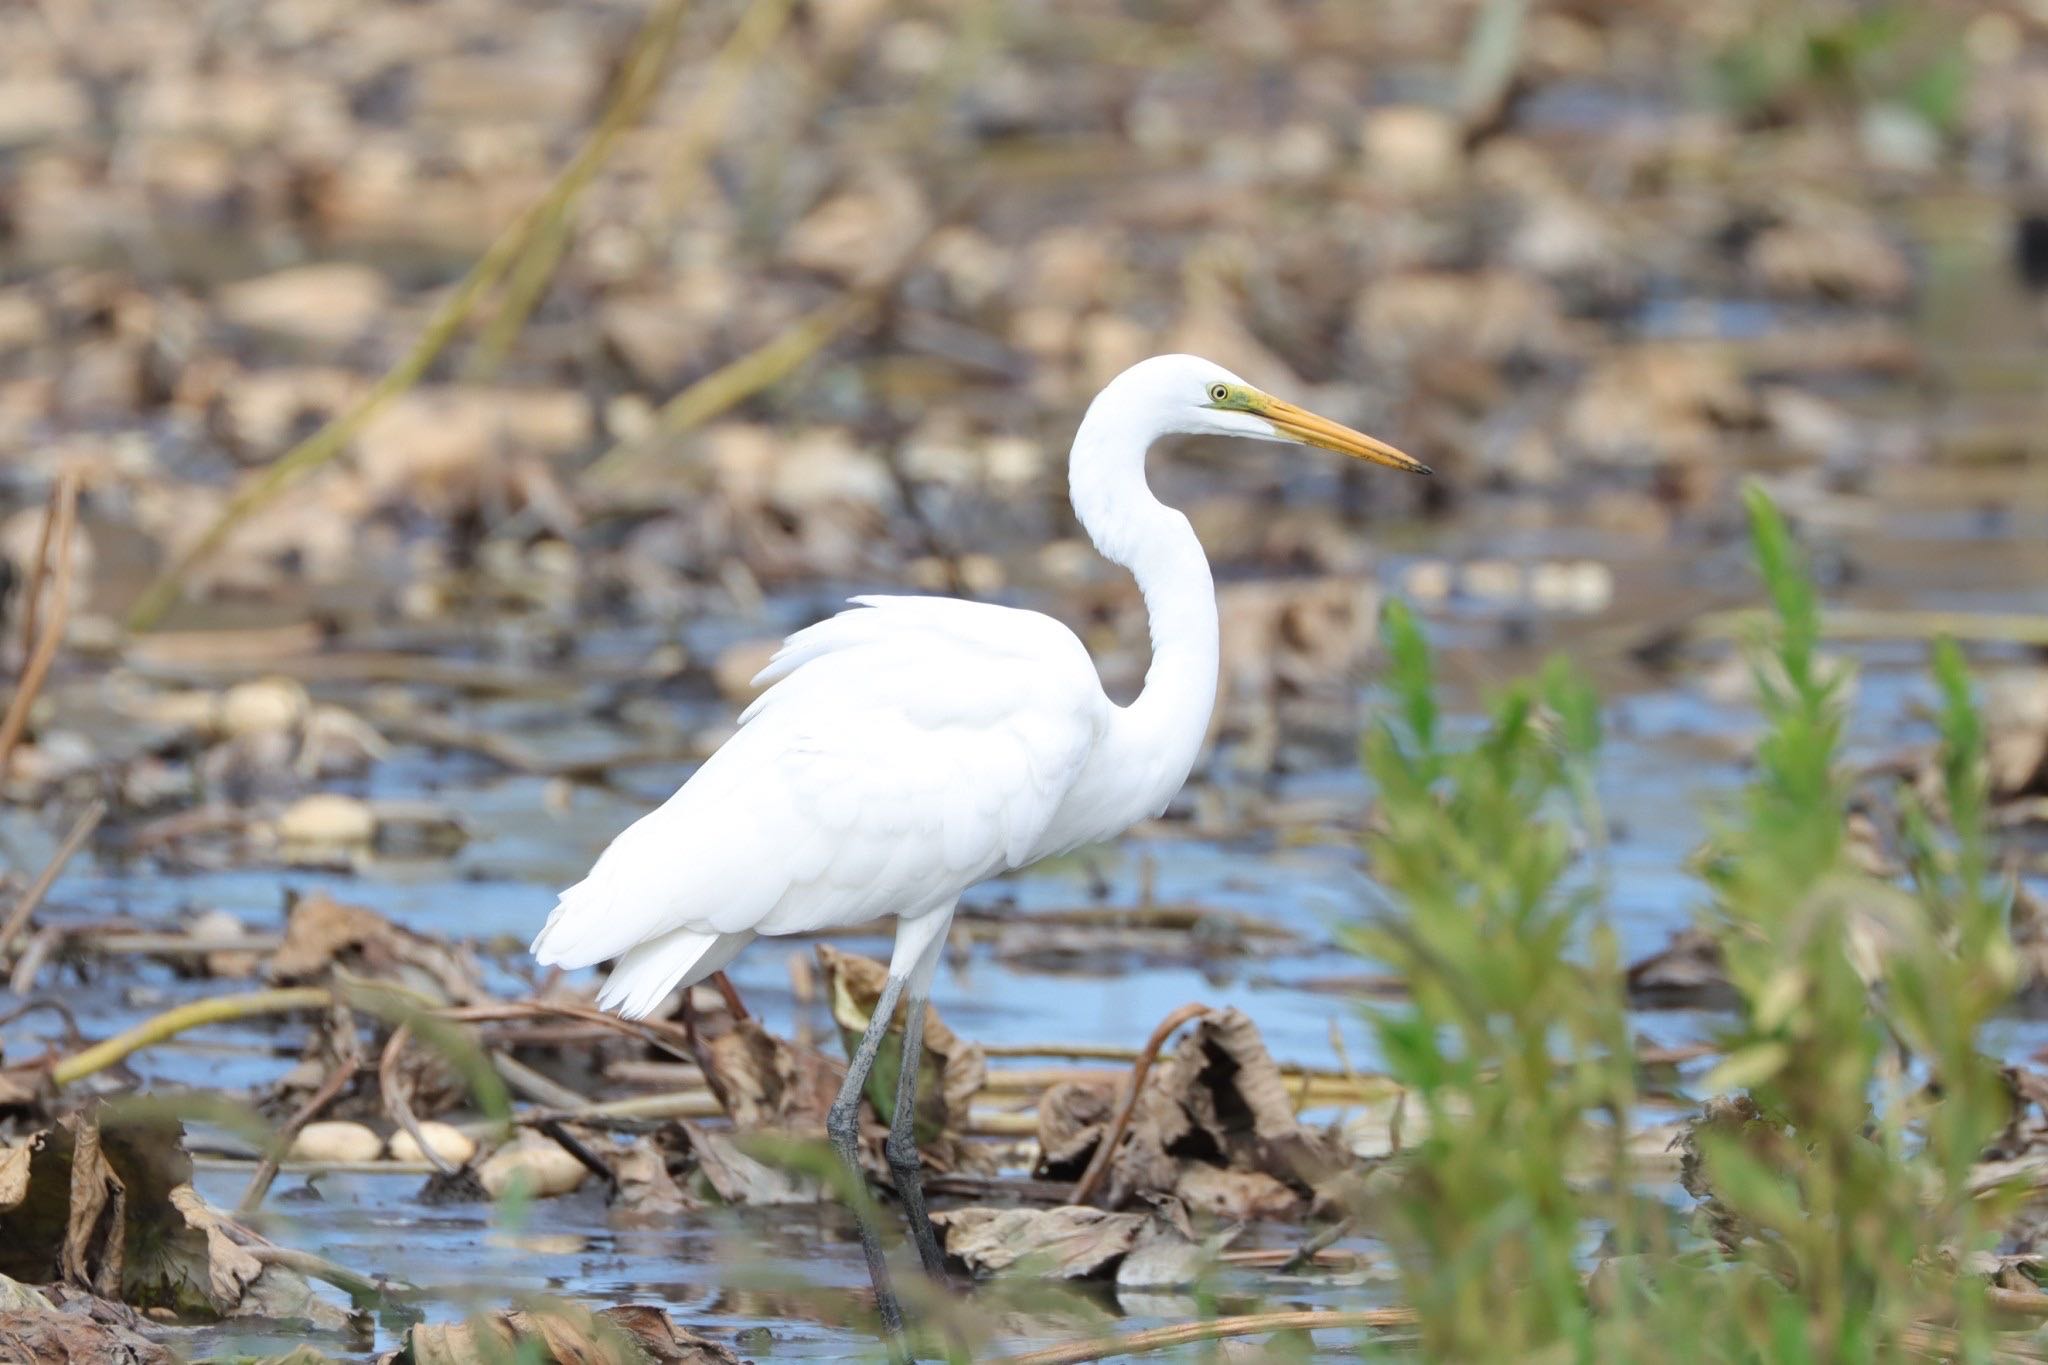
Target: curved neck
[[1162, 731]]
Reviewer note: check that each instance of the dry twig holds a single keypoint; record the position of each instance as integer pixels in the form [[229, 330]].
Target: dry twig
[[738, 380], [17, 919], [266, 1170], [58, 524], [398, 1106], [1216, 1329]]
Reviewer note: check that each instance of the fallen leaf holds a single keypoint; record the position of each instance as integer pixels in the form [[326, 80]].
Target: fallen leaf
[[859, 235], [327, 304], [1071, 1120], [1219, 1100], [1835, 254], [1235, 1196], [83, 1332], [561, 1334], [110, 1209], [1067, 1243], [646, 1191], [736, 1177], [323, 934], [761, 1081], [1658, 403]]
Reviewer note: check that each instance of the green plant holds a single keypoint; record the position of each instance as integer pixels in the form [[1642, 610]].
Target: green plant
[[1834, 1170], [1509, 1045], [1860, 1001]]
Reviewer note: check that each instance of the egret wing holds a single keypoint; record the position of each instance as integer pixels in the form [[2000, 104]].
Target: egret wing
[[906, 750]]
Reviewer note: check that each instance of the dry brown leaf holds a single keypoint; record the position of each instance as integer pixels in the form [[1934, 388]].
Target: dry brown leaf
[[96, 1219], [1219, 1101], [563, 1334], [1067, 1243], [13, 1177], [738, 1178], [1488, 317], [326, 304], [1071, 1120], [1289, 637], [1658, 403], [110, 1210], [322, 934], [860, 235], [762, 1081], [1235, 1196], [2016, 728], [26, 1088], [455, 446], [1137, 1250], [1835, 254], [646, 1192], [84, 1331]]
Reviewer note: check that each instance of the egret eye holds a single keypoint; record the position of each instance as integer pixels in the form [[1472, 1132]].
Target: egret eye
[[1219, 393]]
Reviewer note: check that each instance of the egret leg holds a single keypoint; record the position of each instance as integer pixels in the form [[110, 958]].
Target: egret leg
[[901, 1148], [842, 1124]]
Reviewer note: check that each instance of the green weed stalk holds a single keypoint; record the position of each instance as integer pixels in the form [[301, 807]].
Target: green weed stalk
[[1832, 1162]]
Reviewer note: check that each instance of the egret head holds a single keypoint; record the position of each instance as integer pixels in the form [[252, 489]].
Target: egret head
[[1200, 397]]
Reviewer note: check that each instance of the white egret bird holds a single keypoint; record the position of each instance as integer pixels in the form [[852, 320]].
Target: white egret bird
[[913, 746]]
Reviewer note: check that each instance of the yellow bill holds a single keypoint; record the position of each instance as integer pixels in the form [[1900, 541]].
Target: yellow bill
[[1304, 426]]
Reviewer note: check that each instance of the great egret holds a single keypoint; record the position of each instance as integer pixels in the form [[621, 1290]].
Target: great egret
[[914, 746]]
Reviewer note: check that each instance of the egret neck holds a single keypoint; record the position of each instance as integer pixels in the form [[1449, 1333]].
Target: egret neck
[[1153, 741]]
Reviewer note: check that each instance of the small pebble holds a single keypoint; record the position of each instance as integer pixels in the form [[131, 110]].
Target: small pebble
[[336, 1140], [263, 706], [328, 819], [539, 1164], [450, 1142]]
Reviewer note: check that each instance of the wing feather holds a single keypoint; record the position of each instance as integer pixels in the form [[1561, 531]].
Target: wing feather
[[904, 750]]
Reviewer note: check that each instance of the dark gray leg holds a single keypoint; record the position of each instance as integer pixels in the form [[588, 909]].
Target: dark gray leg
[[842, 1124], [901, 1147]]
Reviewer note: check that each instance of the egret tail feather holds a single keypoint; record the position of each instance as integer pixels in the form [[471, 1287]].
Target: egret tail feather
[[645, 975]]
